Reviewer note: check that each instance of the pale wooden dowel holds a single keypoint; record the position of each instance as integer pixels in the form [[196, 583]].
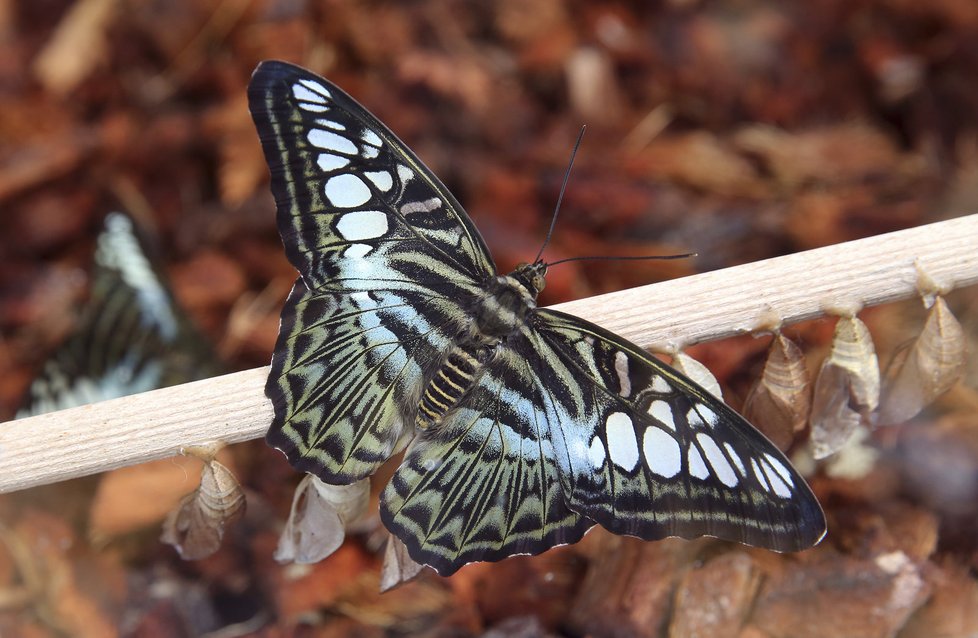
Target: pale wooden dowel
[[664, 316]]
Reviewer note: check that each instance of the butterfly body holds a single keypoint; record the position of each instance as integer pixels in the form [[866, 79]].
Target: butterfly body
[[524, 426]]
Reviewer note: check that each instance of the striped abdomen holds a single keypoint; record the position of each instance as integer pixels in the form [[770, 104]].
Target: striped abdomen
[[443, 392]]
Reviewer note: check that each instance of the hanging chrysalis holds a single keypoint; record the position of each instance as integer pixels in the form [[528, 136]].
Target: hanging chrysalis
[[195, 528], [398, 566], [698, 373], [924, 368], [847, 388], [779, 402], [319, 518]]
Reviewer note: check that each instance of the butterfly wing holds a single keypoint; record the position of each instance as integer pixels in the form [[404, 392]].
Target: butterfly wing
[[571, 425], [646, 452], [386, 257], [485, 484], [131, 337]]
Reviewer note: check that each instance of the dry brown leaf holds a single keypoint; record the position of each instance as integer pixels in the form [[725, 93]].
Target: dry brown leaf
[[715, 598], [698, 372], [701, 160], [195, 528], [779, 402], [592, 86], [398, 566], [76, 47], [847, 388], [925, 368], [319, 518], [952, 610], [840, 153], [832, 594]]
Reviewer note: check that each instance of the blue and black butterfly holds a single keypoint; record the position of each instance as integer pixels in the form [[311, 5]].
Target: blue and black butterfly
[[523, 426]]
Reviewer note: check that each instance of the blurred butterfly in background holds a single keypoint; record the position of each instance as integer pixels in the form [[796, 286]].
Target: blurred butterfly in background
[[523, 426], [131, 337]]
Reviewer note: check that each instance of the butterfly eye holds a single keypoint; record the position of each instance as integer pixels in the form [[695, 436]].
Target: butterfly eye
[[539, 281]]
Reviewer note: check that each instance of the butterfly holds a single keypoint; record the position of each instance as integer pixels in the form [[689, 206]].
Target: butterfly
[[131, 337], [523, 426]]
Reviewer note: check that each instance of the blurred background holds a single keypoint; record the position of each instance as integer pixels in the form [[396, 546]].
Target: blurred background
[[736, 129]]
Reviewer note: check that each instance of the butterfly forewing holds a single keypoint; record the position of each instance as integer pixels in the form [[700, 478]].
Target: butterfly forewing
[[652, 454], [385, 255], [535, 424], [348, 191]]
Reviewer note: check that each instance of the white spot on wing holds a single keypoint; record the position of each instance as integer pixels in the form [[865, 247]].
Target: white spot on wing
[[381, 179], [779, 467], [759, 473], [421, 207], [621, 368], [329, 162], [736, 459], [693, 418], [347, 191], [696, 465], [777, 484], [660, 385], [313, 108], [316, 87], [362, 224], [595, 453], [357, 251], [708, 414], [404, 173], [622, 446], [370, 152], [327, 140], [371, 138], [662, 452], [336, 126], [363, 300], [662, 412], [714, 455], [303, 93]]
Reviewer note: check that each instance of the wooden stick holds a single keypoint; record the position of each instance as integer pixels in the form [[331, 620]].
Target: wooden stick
[[665, 316]]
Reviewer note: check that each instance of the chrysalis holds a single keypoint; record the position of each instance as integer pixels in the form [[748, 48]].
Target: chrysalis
[[847, 388], [195, 528], [780, 401], [924, 368]]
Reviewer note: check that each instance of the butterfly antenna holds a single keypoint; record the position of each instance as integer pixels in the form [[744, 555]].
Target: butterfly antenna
[[560, 198], [620, 258]]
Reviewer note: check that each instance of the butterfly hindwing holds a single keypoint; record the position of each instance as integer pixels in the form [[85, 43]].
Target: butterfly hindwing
[[384, 253], [485, 485]]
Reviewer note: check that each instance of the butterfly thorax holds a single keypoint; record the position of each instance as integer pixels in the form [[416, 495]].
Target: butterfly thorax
[[496, 314]]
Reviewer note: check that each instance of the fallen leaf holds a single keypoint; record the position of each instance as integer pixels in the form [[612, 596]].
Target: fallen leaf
[[77, 46]]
